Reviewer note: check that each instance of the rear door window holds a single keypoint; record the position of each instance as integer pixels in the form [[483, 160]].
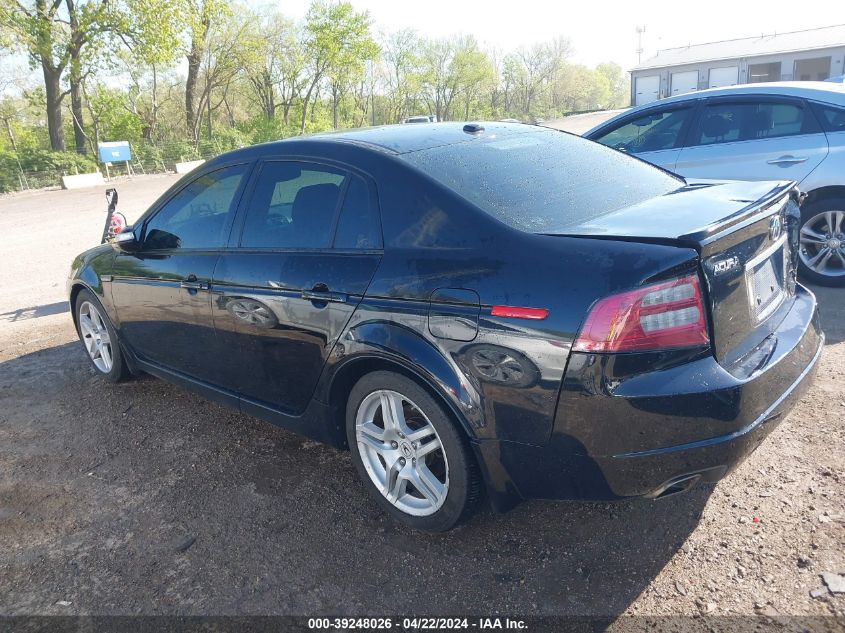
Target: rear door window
[[293, 205], [726, 122]]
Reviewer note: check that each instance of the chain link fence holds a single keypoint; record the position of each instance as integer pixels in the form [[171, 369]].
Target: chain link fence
[[147, 158]]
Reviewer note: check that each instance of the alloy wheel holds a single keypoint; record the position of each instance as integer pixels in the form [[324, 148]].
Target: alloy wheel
[[95, 336], [822, 247], [402, 453]]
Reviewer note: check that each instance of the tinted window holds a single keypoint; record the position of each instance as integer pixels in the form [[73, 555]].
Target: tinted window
[[833, 119], [198, 215], [358, 225], [649, 133], [292, 206], [748, 121], [542, 180]]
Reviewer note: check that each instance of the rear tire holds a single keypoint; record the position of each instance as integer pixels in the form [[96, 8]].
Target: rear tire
[[413, 459], [99, 337], [821, 258]]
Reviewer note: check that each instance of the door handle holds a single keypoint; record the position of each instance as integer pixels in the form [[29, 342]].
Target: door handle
[[787, 160], [318, 294], [192, 283]]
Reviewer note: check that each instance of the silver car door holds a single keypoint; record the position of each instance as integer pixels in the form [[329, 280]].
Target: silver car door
[[754, 139]]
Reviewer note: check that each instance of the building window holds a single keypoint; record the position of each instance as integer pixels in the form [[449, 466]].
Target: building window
[[759, 73], [817, 69]]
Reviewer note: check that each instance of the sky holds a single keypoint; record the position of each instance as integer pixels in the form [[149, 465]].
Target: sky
[[599, 30]]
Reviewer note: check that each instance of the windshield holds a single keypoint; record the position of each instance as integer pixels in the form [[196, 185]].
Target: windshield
[[542, 181]]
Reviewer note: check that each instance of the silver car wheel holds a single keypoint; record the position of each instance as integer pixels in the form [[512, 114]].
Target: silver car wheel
[[822, 247], [95, 336], [402, 453]]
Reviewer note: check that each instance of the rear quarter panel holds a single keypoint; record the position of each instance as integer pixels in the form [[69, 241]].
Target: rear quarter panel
[[435, 241]]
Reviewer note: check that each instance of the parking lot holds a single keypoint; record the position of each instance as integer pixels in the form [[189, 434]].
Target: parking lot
[[143, 498]]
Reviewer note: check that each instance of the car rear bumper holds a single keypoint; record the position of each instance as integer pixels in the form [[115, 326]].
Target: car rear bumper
[[659, 431]]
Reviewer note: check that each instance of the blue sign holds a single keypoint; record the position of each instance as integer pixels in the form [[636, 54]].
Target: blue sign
[[115, 152]]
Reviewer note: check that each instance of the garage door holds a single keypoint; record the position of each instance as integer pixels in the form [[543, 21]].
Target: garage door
[[727, 76], [647, 89], [684, 82]]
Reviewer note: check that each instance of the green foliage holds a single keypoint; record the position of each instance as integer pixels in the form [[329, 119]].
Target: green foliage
[[259, 76], [41, 166]]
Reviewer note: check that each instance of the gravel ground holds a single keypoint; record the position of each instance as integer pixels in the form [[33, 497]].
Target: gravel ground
[[144, 499]]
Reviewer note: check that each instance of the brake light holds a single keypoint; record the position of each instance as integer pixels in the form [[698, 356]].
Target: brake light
[[661, 316]]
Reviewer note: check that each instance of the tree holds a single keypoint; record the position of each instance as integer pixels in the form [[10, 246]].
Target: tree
[[274, 65], [402, 62], [618, 83], [201, 15], [336, 36], [153, 39], [55, 35], [228, 41]]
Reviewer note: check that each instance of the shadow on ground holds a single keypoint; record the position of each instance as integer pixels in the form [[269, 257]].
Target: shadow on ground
[[142, 498], [34, 312], [832, 312]]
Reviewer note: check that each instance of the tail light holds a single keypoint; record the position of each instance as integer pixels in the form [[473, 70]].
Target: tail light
[[661, 316]]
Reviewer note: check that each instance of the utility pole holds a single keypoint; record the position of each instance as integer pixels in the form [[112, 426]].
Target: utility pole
[[640, 31]]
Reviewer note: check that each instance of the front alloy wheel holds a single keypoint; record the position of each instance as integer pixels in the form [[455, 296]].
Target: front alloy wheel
[[411, 455], [99, 337], [95, 336], [822, 243]]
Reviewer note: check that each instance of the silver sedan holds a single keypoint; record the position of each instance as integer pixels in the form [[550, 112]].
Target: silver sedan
[[772, 131]]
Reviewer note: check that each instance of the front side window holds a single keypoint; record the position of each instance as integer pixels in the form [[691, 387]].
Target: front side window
[[750, 121], [197, 216], [293, 206], [649, 133]]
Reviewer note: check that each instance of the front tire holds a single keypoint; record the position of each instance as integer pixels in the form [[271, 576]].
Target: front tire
[[409, 453], [99, 337], [822, 247]]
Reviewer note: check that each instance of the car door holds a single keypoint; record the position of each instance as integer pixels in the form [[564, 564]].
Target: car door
[[753, 138], [655, 135], [161, 291], [307, 243]]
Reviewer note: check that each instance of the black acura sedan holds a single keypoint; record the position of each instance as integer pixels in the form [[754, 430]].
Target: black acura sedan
[[484, 308]]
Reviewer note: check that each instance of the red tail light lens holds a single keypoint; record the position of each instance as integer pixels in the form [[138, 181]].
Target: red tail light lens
[[661, 316]]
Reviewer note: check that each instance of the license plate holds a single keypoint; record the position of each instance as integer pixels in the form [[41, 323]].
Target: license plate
[[766, 280]]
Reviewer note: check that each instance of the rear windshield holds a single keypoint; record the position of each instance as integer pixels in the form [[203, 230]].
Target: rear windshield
[[542, 181]]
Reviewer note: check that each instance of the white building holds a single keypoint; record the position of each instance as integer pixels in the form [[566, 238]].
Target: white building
[[801, 55]]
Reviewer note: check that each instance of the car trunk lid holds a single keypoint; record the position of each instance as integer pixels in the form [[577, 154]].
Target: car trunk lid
[[746, 234]]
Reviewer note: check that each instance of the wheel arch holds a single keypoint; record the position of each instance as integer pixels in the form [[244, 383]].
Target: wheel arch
[[77, 287], [825, 193], [347, 375]]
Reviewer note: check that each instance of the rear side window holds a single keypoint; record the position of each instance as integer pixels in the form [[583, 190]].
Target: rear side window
[[358, 225], [541, 180], [649, 133], [833, 119], [749, 121], [293, 205]]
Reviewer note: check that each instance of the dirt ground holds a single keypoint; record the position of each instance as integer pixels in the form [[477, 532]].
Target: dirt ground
[[144, 499]]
